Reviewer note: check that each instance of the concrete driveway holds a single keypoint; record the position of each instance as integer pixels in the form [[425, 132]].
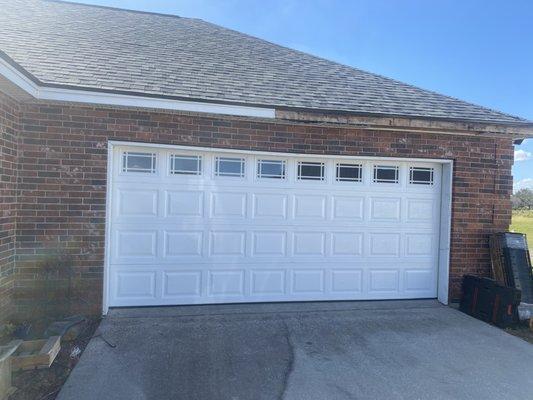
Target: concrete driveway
[[348, 350]]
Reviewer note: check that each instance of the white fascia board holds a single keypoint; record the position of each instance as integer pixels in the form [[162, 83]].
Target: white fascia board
[[115, 99]]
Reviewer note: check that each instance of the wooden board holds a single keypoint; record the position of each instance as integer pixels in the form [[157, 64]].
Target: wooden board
[[5, 368], [36, 353]]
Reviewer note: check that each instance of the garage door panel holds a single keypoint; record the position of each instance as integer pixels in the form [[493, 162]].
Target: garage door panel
[[227, 243], [347, 281], [346, 244], [226, 283], [183, 243], [309, 206], [383, 280], [178, 239], [135, 285], [268, 282], [308, 281], [269, 244], [385, 209], [309, 244], [228, 205], [137, 203], [185, 203], [185, 284], [347, 208], [383, 244], [135, 244], [419, 245], [269, 205], [419, 280]]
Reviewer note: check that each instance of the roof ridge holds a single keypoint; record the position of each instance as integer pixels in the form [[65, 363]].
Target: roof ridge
[[366, 72], [116, 8]]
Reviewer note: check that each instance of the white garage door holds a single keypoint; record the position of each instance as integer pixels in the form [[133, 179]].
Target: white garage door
[[192, 226]]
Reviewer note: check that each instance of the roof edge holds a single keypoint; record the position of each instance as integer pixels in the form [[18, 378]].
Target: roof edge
[[39, 90], [113, 8]]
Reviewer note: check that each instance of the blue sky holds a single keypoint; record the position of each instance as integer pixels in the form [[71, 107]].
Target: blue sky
[[478, 51]]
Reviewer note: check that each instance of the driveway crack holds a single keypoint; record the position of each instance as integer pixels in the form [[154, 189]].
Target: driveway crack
[[290, 361]]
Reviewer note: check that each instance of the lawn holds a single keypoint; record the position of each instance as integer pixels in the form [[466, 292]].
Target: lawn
[[523, 222]]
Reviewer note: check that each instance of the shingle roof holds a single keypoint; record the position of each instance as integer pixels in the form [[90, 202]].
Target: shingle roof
[[102, 48]]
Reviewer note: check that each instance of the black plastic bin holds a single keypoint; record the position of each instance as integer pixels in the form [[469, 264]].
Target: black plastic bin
[[487, 300]]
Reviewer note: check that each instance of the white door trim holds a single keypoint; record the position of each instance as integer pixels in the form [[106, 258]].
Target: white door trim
[[445, 212]]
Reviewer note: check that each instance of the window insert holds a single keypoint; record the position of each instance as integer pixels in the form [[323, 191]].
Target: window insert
[[420, 176], [229, 166], [138, 162], [185, 165], [349, 172], [271, 169], [313, 171], [386, 174]]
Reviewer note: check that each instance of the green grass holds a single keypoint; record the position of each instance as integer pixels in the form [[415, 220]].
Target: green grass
[[522, 222]]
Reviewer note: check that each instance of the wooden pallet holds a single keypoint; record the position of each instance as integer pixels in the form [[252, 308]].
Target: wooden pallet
[[36, 353], [5, 368]]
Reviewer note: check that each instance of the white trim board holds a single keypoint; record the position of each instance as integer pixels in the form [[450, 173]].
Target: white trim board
[[114, 99]]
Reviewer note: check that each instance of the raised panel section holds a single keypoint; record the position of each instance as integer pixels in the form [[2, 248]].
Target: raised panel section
[[182, 283], [418, 244], [345, 207], [227, 243], [137, 203], [309, 243], [384, 281], [183, 244], [136, 243], [269, 243], [184, 204], [346, 281], [385, 209], [346, 244], [268, 205], [226, 283], [384, 244], [308, 281], [418, 280], [309, 206], [420, 210], [268, 282], [135, 284], [228, 205]]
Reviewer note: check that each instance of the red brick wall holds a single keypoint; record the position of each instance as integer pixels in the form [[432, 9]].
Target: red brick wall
[[62, 173], [8, 203]]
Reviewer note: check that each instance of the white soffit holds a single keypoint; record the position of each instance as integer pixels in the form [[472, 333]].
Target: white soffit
[[94, 97]]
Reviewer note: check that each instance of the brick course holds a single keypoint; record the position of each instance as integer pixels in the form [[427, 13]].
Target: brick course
[[62, 179]]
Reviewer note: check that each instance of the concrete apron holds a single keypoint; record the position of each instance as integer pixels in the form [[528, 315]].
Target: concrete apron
[[335, 350]]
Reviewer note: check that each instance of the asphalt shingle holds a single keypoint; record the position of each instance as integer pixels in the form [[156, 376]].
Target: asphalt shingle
[[103, 48]]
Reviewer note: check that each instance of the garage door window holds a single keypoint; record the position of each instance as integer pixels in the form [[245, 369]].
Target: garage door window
[[386, 174], [226, 166], [349, 172], [421, 176], [185, 165], [271, 169], [313, 171], [138, 162]]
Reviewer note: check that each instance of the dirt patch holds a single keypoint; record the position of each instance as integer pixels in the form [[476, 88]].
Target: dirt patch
[[45, 384], [522, 331]]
